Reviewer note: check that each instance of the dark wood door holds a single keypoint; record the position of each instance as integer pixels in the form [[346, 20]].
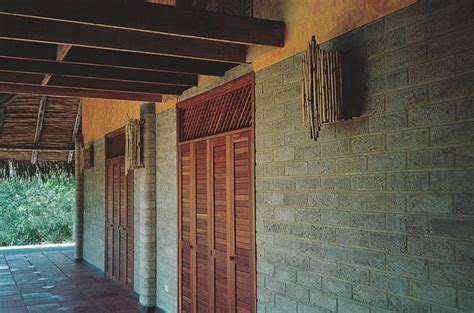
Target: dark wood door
[[216, 221], [119, 223]]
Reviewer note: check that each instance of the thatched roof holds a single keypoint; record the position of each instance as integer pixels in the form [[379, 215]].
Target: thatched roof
[[14, 169], [38, 127]]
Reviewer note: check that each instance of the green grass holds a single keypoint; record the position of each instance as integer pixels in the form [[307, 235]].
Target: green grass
[[36, 211]]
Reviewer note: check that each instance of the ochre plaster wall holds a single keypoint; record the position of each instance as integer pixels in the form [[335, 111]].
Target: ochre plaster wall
[[324, 18], [102, 116]]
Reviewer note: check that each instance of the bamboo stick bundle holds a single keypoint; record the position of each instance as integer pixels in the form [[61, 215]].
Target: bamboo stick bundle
[[132, 145], [336, 92], [321, 85], [312, 47], [339, 86], [315, 51], [341, 100], [303, 89], [333, 87], [321, 88], [330, 87], [308, 91]]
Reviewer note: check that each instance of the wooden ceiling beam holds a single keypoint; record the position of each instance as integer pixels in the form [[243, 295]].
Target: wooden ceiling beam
[[93, 71], [156, 18], [147, 61], [61, 52], [39, 128], [27, 50], [94, 84], [114, 59], [84, 35], [31, 149], [77, 92]]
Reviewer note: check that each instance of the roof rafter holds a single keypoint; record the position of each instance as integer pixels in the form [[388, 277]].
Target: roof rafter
[[61, 52], [85, 35], [30, 149], [85, 83], [163, 19], [93, 71], [39, 128], [113, 59], [77, 92], [77, 125]]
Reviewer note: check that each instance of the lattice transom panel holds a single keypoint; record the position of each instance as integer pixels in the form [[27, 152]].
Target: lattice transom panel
[[226, 108]]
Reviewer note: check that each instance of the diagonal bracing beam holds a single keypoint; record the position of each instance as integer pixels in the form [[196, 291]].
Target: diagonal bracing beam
[[39, 128], [77, 125]]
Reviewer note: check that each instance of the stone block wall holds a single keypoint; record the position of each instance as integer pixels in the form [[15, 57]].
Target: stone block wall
[[94, 204], [377, 215], [166, 212], [147, 210], [136, 231]]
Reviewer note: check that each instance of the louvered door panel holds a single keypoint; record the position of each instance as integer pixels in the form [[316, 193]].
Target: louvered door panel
[[122, 227], [116, 210], [109, 222], [220, 224], [119, 223], [202, 224], [185, 227], [243, 218], [129, 226]]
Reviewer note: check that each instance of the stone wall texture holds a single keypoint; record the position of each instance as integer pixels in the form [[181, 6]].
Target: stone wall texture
[[94, 197], [166, 212], [377, 215], [147, 209]]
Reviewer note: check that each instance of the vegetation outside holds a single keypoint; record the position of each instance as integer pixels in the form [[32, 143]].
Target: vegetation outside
[[37, 210]]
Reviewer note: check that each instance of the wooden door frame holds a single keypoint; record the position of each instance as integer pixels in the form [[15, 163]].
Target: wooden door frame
[[216, 91], [118, 132]]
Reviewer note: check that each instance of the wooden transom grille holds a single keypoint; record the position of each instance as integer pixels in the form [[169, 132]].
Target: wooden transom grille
[[226, 108]]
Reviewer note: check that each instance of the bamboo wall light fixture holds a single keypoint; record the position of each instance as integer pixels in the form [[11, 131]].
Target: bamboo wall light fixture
[[322, 88]]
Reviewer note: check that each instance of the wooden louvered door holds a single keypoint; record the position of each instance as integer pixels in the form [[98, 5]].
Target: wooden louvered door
[[119, 223], [184, 177], [216, 221], [220, 219], [242, 223]]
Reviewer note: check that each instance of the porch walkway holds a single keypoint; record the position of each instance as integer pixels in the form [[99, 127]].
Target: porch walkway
[[50, 281]]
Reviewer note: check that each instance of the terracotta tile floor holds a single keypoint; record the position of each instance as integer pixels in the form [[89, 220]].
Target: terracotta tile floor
[[53, 282]]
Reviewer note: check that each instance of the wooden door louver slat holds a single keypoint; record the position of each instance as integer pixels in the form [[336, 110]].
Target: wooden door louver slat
[[216, 217], [119, 223]]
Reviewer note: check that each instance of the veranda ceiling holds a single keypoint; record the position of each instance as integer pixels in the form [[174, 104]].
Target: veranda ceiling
[[129, 50], [38, 127]]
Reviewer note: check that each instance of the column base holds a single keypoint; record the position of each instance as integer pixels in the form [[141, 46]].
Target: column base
[[146, 308]]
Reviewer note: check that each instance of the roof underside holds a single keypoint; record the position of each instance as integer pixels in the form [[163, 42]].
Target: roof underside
[[22, 132], [128, 50]]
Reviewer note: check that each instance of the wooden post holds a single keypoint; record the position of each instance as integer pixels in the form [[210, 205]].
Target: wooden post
[[79, 209]]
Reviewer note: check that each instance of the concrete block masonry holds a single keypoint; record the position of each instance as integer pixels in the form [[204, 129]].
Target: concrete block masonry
[[376, 216]]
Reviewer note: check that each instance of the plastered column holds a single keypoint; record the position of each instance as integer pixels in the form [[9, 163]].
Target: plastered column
[[147, 207], [79, 210]]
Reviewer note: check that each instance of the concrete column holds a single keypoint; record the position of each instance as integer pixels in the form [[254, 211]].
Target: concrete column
[[147, 207], [79, 212]]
